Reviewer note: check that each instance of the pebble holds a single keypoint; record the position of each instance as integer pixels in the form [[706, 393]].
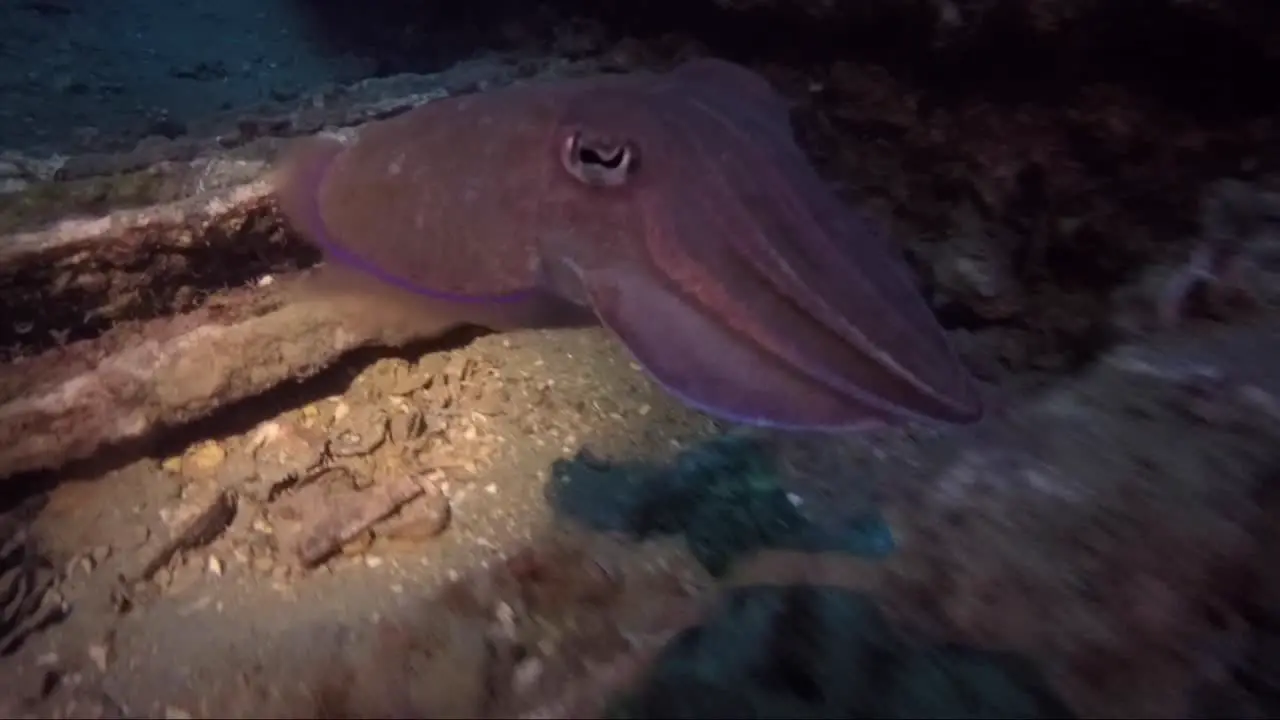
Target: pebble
[[203, 458]]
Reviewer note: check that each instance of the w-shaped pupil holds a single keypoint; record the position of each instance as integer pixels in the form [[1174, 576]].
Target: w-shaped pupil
[[611, 158]]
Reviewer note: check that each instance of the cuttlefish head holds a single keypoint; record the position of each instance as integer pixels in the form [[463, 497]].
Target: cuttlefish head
[[687, 217]]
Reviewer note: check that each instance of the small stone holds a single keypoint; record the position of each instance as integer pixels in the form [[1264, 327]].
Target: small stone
[[310, 414], [527, 674], [291, 452], [214, 566], [204, 458], [492, 400], [138, 536], [408, 426], [356, 434], [184, 577], [239, 470], [406, 379], [327, 523], [505, 615], [340, 412], [420, 520], [98, 654], [195, 525], [263, 434]]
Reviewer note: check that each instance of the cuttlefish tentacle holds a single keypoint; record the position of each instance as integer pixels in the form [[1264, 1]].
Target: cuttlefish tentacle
[[800, 241], [701, 361], [717, 366]]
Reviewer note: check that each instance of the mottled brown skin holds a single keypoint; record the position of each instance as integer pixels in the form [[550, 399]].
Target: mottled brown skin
[[677, 207]]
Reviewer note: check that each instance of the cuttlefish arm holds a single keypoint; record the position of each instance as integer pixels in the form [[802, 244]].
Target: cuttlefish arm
[[754, 293]]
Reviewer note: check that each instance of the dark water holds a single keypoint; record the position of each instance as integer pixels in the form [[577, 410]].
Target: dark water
[[75, 73]]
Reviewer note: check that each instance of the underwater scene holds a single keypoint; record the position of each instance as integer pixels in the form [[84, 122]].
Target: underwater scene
[[639, 359]]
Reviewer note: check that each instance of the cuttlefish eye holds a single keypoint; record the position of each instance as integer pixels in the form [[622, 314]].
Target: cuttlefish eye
[[598, 162]]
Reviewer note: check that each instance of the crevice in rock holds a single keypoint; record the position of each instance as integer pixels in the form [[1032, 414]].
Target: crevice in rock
[[80, 291]]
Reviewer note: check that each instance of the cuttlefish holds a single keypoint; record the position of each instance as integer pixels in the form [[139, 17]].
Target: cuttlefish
[[675, 208]]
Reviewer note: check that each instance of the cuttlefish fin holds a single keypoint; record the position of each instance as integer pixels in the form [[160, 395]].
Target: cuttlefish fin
[[362, 303], [296, 180], [705, 365]]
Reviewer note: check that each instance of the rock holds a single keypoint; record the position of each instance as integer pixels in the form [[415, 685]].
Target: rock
[[822, 652], [283, 453], [204, 459], [358, 433], [1107, 505], [419, 520], [321, 519], [193, 525]]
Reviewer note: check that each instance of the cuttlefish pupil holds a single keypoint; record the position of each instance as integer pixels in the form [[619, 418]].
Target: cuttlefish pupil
[[598, 162]]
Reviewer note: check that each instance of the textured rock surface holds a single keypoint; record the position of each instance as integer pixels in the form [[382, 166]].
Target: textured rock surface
[[97, 357]]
